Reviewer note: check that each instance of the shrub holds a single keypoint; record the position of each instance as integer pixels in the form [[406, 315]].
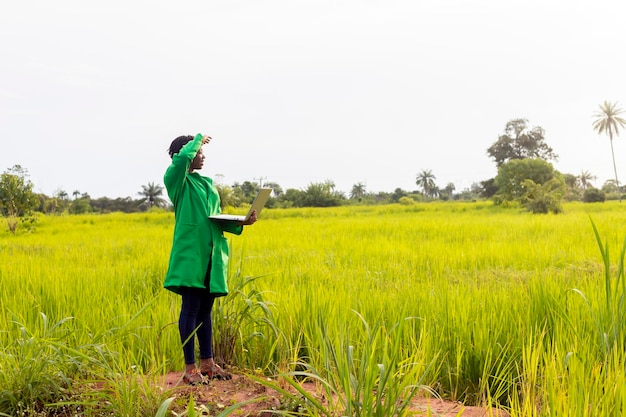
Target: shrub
[[594, 195]]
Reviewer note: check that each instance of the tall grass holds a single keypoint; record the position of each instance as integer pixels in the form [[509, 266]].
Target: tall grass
[[373, 373], [38, 367], [466, 300]]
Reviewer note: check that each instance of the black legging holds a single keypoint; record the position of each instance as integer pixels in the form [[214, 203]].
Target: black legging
[[196, 311]]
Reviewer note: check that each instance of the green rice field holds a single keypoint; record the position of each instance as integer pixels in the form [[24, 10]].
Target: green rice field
[[470, 302]]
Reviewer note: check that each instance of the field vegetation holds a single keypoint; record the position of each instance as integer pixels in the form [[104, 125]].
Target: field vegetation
[[468, 301]]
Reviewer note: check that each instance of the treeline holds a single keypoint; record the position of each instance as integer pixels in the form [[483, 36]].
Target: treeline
[[324, 194], [85, 204], [237, 195]]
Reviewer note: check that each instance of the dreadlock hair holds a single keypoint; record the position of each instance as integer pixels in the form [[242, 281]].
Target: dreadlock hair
[[178, 143]]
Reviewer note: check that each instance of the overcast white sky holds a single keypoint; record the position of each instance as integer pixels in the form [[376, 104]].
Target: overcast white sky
[[301, 91]]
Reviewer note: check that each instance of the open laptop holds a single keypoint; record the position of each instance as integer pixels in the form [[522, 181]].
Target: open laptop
[[257, 204]]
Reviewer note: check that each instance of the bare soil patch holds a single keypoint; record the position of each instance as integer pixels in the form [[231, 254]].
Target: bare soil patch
[[219, 395]]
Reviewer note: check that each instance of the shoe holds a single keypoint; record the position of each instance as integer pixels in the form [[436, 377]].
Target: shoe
[[195, 377], [216, 373]]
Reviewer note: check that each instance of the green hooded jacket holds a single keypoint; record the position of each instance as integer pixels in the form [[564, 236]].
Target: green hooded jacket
[[197, 239]]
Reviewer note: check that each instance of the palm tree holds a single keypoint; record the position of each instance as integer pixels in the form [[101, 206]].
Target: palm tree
[[585, 179], [608, 121], [61, 194], [358, 191], [152, 195], [426, 180], [450, 189]]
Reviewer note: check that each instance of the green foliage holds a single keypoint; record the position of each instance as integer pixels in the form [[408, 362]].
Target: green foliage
[[319, 195], [227, 197], [249, 190], [243, 308], [80, 206], [109, 205], [128, 393], [610, 317], [17, 199], [407, 201], [520, 142], [163, 408], [573, 190], [47, 371], [364, 375], [593, 195], [238, 194], [397, 194], [544, 198], [488, 188], [513, 178], [38, 367]]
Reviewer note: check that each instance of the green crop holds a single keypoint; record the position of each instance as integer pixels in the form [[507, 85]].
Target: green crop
[[378, 304]]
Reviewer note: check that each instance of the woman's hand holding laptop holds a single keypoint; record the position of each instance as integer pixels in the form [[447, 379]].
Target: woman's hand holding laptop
[[249, 221]]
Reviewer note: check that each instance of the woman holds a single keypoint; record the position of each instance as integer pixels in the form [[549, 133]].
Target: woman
[[199, 257]]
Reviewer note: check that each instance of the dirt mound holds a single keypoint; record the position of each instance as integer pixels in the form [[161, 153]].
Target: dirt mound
[[219, 395]]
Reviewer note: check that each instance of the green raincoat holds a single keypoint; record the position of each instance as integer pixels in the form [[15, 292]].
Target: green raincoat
[[197, 239]]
